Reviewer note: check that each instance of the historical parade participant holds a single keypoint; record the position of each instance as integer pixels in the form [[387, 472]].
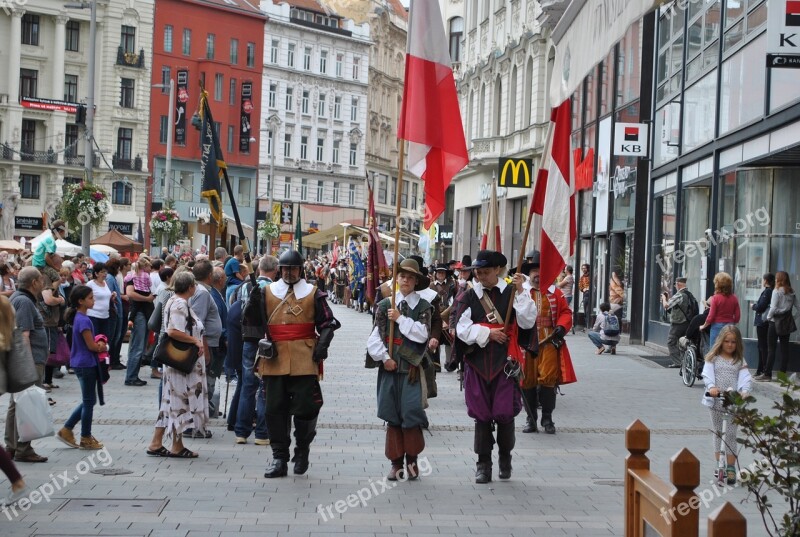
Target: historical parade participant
[[400, 390], [446, 288], [491, 383], [300, 326], [552, 366]]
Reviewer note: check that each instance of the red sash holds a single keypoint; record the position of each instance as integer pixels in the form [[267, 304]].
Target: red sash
[[292, 332]]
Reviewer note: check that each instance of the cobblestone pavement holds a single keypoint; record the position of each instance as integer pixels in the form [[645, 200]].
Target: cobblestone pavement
[[567, 484]]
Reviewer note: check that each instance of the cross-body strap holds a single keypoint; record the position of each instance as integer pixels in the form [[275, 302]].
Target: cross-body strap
[[491, 311]]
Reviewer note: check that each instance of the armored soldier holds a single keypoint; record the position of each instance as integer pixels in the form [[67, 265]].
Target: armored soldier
[[543, 372], [491, 356], [300, 325], [400, 392]]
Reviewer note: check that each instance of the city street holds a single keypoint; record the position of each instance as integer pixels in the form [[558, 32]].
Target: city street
[[567, 484]]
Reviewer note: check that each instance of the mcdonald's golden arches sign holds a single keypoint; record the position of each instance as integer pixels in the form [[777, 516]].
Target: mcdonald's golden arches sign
[[515, 173]]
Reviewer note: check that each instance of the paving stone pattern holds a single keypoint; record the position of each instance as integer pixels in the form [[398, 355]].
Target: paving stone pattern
[[567, 484]]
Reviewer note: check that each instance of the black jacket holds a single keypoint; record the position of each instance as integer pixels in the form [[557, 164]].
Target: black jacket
[[762, 306]]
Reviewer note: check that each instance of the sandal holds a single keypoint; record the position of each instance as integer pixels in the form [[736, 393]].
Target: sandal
[[185, 453], [50, 401], [160, 452]]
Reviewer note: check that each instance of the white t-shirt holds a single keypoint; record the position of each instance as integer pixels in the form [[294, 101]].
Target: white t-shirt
[[155, 282], [102, 300]]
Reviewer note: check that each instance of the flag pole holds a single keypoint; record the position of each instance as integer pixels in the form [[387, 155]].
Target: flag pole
[[239, 229], [395, 263], [542, 161]]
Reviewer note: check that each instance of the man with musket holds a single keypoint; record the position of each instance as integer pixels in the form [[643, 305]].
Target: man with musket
[[300, 325], [550, 364], [492, 357], [446, 288], [400, 390]]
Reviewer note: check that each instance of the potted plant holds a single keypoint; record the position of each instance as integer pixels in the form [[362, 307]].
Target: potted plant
[[166, 223], [268, 230], [84, 204]]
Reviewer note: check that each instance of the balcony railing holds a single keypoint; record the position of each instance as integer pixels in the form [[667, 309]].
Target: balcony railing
[[126, 164], [130, 59]]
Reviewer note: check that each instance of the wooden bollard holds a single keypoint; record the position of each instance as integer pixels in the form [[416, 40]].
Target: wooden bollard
[[727, 521], [684, 473], [637, 442]]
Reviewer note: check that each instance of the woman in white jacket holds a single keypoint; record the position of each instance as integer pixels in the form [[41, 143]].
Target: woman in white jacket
[[725, 370]]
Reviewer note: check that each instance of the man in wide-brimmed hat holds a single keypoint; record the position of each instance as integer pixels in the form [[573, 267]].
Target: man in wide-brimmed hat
[[400, 392], [444, 286], [543, 365], [491, 386]]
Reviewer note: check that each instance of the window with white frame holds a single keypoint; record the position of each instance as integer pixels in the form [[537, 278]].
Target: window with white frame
[[351, 195], [168, 38], [234, 51], [269, 142], [186, 45], [245, 187], [287, 145], [29, 186], [304, 190], [287, 188], [231, 138], [304, 148], [307, 59], [353, 154], [335, 192], [304, 103], [121, 193], [320, 191], [289, 99], [356, 66], [339, 65], [290, 54], [321, 105], [232, 92], [273, 94], [336, 144], [210, 46], [251, 55], [337, 107], [273, 51], [354, 109], [323, 62], [320, 149], [218, 82]]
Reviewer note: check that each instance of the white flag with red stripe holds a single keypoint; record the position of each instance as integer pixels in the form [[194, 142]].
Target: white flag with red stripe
[[491, 229], [430, 119], [554, 197]]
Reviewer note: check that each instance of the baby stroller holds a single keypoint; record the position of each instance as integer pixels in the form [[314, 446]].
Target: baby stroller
[[693, 345]]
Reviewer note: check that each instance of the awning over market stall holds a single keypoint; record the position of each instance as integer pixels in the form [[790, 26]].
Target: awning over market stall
[[118, 241], [327, 236]]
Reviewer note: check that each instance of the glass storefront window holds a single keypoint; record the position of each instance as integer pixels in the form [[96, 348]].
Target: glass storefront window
[[667, 131], [591, 95], [784, 88], [694, 248], [607, 84], [743, 86], [623, 186], [664, 211], [629, 65], [577, 99], [586, 212], [700, 102]]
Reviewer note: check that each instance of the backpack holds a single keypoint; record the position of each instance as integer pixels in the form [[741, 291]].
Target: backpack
[[694, 308], [611, 325]]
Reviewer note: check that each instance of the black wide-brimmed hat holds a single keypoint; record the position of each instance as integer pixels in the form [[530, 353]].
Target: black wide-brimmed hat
[[532, 264], [444, 267], [489, 258], [410, 266]]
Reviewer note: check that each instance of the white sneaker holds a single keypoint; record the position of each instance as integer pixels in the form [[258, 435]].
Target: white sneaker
[[14, 497], [241, 440]]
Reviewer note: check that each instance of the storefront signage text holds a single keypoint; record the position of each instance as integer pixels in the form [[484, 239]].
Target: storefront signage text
[[630, 139], [783, 34], [28, 222], [126, 228], [486, 192], [198, 210]]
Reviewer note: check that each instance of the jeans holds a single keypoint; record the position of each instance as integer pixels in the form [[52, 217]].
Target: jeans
[[101, 326], [136, 347], [233, 410], [715, 330], [116, 329], [594, 337], [248, 400], [87, 377]]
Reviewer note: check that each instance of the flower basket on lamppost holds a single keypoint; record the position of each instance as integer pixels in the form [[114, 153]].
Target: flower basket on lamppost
[[167, 223], [267, 231], [84, 204]]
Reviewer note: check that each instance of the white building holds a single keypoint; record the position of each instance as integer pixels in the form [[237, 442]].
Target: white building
[[45, 50], [314, 113], [499, 54]]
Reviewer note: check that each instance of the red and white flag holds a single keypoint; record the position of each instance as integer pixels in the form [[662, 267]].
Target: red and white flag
[[554, 197], [491, 228], [430, 119]]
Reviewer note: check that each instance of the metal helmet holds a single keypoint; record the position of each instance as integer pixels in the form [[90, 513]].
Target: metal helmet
[[531, 254], [291, 258]]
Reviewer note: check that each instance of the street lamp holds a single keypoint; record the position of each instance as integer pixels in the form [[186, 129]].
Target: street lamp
[[345, 225], [274, 123], [89, 126]]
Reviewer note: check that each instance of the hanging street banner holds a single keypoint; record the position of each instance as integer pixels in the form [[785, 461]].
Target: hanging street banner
[[783, 34], [181, 99], [515, 173], [247, 109], [630, 139]]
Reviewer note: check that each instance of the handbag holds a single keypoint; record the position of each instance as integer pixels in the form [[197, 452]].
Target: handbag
[[33, 416], [178, 355], [784, 323], [20, 366], [61, 356]]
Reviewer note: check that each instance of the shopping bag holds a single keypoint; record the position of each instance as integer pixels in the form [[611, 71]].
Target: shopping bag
[[34, 419], [61, 356]]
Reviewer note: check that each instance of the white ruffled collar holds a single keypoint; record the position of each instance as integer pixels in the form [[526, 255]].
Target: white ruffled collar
[[301, 289]]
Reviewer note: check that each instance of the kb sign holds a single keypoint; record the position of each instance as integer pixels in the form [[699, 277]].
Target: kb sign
[[783, 34], [630, 140]]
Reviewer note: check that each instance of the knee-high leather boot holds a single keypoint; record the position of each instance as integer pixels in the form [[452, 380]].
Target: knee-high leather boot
[[414, 443], [304, 433], [547, 396], [506, 439], [395, 450], [484, 442], [278, 426], [530, 401]]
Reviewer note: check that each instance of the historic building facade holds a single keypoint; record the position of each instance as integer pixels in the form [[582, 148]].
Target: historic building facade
[[45, 54]]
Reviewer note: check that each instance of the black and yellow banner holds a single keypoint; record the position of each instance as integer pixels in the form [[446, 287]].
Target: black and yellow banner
[[212, 163], [515, 173]]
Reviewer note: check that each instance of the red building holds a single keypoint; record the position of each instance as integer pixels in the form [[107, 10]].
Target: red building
[[221, 43]]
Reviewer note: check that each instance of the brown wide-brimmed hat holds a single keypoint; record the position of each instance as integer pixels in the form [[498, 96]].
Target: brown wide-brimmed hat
[[410, 266]]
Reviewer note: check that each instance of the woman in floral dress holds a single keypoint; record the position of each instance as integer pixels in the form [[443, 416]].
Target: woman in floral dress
[[184, 401]]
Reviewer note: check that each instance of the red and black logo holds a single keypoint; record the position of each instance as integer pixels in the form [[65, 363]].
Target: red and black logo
[[632, 133], [792, 13]]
